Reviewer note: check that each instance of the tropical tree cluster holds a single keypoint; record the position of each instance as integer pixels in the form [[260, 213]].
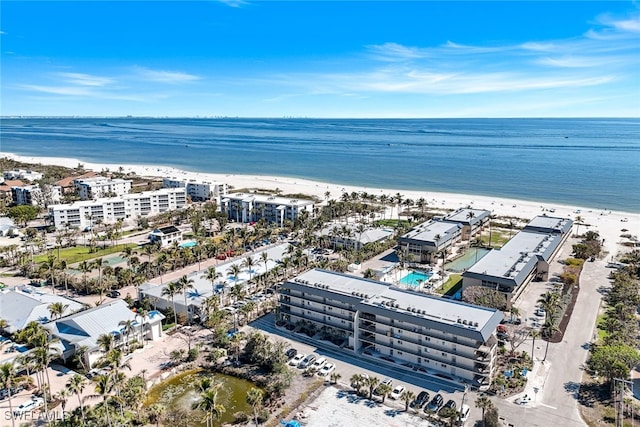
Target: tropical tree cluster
[[616, 354]]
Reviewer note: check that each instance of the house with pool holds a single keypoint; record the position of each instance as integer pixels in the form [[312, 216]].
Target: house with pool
[[165, 236], [419, 333], [524, 258]]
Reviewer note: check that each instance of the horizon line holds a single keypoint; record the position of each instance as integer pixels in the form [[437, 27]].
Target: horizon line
[[304, 117]]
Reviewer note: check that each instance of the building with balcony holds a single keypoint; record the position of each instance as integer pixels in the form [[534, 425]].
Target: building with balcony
[[99, 186], [414, 331], [198, 190], [127, 208], [524, 258], [427, 240], [248, 207], [472, 220]]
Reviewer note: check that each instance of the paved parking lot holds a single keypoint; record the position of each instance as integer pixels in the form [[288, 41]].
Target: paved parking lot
[[349, 364]]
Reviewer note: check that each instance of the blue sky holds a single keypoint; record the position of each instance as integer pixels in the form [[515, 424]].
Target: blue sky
[[320, 59]]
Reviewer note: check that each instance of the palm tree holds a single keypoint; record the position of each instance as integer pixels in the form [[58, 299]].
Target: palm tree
[[211, 276], [51, 265], [254, 398], [548, 329], [372, 383], [534, 333], [578, 221], [237, 291], [208, 402], [334, 377], [103, 389], [249, 263], [8, 377], [183, 285], [57, 309], [85, 267], [105, 342], [76, 386], [407, 397], [264, 257], [484, 403], [170, 291], [383, 391], [550, 302]]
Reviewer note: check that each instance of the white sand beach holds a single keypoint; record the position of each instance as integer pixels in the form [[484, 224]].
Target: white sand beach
[[607, 223]]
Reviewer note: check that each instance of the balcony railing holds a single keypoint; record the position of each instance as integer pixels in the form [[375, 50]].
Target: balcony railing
[[324, 310]]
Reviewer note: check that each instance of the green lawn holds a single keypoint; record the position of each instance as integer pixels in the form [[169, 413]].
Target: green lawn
[[452, 285], [601, 332], [81, 253]]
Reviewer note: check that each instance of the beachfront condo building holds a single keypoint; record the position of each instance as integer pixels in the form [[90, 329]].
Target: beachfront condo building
[[472, 221], [99, 186], [35, 195], [414, 331], [249, 207], [198, 190], [128, 207], [26, 175], [351, 235], [425, 241], [524, 258]]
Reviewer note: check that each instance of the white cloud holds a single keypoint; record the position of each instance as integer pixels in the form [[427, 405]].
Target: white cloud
[[162, 76], [234, 3], [394, 52], [85, 79]]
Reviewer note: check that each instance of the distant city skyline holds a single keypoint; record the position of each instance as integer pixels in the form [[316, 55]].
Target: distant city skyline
[[320, 59]]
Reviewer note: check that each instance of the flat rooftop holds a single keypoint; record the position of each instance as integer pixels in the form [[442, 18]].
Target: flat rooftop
[[267, 198], [514, 256], [550, 224], [340, 283], [467, 215], [427, 231], [434, 308]]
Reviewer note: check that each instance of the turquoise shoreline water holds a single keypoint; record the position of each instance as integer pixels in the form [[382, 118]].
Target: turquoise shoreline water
[[579, 162]]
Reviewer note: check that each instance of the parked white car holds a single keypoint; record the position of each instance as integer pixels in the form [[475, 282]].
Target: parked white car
[[326, 369], [295, 361], [30, 405], [319, 363], [397, 391]]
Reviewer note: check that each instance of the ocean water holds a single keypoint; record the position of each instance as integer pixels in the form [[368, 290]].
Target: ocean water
[[583, 162]]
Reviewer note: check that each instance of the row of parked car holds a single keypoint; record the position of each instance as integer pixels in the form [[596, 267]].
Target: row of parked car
[[437, 405], [318, 364]]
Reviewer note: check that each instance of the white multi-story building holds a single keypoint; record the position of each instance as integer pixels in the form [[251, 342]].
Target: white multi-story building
[[128, 207], [27, 175], [35, 195], [247, 207], [198, 190], [413, 331], [99, 186], [523, 258], [26, 195]]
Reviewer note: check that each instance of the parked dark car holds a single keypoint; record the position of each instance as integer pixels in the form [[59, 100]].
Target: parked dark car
[[450, 404], [435, 403], [113, 294], [291, 352], [418, 403]]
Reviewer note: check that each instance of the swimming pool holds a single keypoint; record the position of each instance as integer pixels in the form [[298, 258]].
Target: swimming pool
[[415, 278], [470, 257], [188, 244]]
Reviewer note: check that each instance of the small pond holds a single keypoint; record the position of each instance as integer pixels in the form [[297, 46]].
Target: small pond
[[181, 391]]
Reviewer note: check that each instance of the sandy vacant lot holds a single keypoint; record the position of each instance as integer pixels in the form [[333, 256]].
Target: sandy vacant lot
[[339, 408]]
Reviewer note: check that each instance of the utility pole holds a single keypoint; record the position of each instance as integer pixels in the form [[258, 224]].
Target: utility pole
[[619, 390]]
